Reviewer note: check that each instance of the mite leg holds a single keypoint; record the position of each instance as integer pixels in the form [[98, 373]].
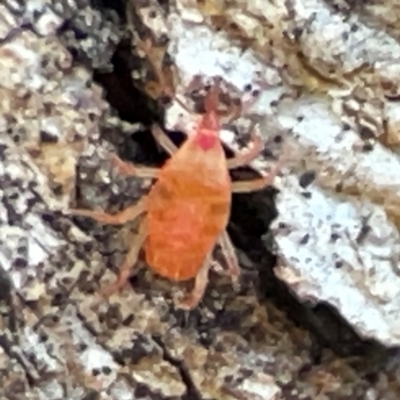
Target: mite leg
[[258, 184], [233, 112], [129, 262], [248, 156], [127, 168], [200, 283], [165, 142], [251, 186], [156, 60], [211, 100], [129, 214], [230, 255], [164, 75]]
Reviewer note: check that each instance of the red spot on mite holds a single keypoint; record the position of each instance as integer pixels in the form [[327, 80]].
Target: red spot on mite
[[206, 141]]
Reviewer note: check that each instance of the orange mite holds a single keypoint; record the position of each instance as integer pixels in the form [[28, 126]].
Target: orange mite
[[187, 209]]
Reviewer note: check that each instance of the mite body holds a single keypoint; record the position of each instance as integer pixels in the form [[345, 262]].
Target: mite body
[[187, 209]]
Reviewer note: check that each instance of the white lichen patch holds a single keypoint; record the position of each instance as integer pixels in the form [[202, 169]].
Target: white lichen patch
[[339, 154], [330, 41], [324, 257], [93, 357], [192, 43], [33, 344], [121, 391], [49, 110], [260, 387]]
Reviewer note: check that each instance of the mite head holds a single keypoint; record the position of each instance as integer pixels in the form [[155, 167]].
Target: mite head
[[208, 130], [202, 155]]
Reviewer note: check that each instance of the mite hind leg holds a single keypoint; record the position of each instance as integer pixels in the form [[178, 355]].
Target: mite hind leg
[[230, 256], [128, 214], [128, 264], [253, 185], [193, 298]]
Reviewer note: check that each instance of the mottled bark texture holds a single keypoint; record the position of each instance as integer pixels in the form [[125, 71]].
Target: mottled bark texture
[[58, 339]]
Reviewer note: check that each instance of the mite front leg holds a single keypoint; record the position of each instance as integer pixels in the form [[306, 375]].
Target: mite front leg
[[200, 283], [129, 169], [161, 138], [248, 156], [129, 262], [155, 57], [230, 256], [261, 183], [129, 214]]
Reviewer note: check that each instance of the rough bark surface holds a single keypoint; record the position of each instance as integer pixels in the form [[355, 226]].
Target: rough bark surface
[[57, 339], [323, 77]]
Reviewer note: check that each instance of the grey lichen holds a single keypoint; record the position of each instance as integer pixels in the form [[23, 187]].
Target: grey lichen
[[60, 339]]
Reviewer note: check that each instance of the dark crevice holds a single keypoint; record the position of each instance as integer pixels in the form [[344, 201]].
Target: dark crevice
[[131, 104], [192, 393], [119, 6], [8, 349]]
